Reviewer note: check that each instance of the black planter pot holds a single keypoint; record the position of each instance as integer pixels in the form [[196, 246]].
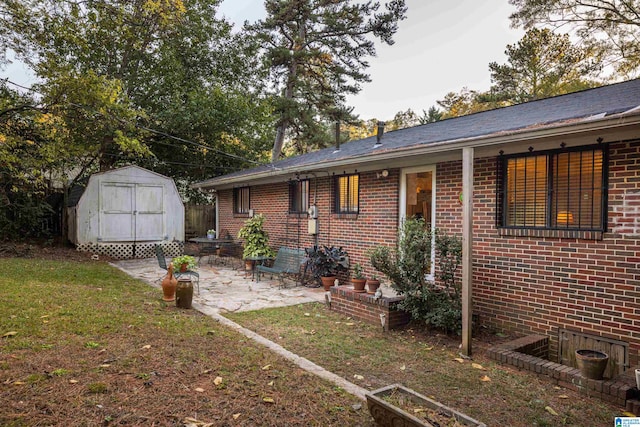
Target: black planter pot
[[592, 363]]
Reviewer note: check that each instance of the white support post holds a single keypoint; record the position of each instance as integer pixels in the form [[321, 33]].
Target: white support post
[[467, 247]]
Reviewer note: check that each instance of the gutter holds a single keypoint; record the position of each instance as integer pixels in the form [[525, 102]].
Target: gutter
[[422, 148]]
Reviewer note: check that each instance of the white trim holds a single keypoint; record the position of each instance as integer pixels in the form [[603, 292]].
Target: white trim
[[402, 209]]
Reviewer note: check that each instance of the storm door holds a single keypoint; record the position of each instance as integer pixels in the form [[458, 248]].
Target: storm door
[[418, 197]]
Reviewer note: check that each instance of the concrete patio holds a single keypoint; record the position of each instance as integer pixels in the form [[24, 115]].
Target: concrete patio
[[224, 289]]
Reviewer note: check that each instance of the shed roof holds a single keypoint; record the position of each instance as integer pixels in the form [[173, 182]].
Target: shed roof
[[596, 105]]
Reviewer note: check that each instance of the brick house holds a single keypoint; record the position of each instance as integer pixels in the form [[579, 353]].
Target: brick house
[[552, 231]]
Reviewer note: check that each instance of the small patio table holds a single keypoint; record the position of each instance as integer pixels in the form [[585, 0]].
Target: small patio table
[[254, 261], [208, 246]]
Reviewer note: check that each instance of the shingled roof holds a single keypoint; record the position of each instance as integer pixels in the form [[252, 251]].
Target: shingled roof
[[561, 111]]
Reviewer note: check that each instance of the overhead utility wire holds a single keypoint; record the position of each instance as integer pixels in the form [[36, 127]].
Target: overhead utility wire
[[233, 156]]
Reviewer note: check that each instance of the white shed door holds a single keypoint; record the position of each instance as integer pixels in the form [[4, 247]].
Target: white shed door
[[149, 217], [131, 212]]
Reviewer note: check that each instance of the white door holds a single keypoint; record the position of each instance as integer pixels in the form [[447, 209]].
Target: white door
[[131, 212], [418, 198], [149, 216]]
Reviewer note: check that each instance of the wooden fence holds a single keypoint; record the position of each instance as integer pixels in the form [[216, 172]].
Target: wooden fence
[[198, 219]]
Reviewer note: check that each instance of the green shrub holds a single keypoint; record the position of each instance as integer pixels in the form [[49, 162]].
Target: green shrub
[[256, 238], [436, 303]]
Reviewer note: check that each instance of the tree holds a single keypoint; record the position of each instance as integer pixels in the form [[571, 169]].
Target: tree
[[465, 102], [402, 120], [540, 65], [612, 26], [316, 51], [179, 70], [432, 115]]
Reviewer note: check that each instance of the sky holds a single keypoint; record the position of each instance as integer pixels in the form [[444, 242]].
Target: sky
[[442, 46]]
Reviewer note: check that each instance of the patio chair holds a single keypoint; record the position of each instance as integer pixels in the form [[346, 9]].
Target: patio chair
[[162, 262]]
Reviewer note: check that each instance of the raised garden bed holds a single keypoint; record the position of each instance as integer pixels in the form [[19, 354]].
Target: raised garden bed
[[398, 406]]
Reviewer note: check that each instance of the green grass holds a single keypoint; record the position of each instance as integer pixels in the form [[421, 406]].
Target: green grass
[[426, 363], [93, 346]]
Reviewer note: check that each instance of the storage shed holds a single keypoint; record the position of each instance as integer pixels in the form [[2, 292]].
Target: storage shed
[[125, 212]]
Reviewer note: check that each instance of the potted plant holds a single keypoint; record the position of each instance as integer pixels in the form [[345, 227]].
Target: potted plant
[[358, 279], [184, 263], [211, 234], [256, 240], [326, 262], [373, 284]]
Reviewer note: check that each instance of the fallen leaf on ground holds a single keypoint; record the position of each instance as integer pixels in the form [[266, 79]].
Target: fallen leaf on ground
[[73, 381], [236, 416], [266, 367], [18, 383], [217, 381], [358, 377], [459, 359], [563, 396], [403, 367], [418, 410], [104, 365], [268, 400], [270, 384], [485, 378], [349, 323], [429, 348], [9, 334], [199, 390], [307, 314], [628, 414], [478, 366], [146, 347], [550, 410]]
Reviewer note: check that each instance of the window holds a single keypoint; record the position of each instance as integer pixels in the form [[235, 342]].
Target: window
[[299, 196], [241, 200], [560, 189], [347, 193]]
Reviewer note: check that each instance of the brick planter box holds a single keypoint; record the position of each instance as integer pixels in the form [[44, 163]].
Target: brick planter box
[[365, 307], [530, 353]]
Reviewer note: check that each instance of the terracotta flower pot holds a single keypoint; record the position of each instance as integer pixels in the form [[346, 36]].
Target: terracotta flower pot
[[327, 282], [183, 268], [373, 285], [169, 284], [358, 284]]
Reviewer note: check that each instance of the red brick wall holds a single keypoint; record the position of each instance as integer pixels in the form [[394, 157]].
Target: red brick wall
[[522, 284], [376, 223], [367, 308], [540, 284]]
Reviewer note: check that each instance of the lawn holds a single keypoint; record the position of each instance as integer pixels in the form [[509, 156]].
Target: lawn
[[83, 344], [429, 363]]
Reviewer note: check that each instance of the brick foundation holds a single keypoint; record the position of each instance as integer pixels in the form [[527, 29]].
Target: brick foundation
[[528, 353], [365, 307]]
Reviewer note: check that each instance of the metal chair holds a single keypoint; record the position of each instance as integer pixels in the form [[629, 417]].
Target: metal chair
[[162, 262]]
